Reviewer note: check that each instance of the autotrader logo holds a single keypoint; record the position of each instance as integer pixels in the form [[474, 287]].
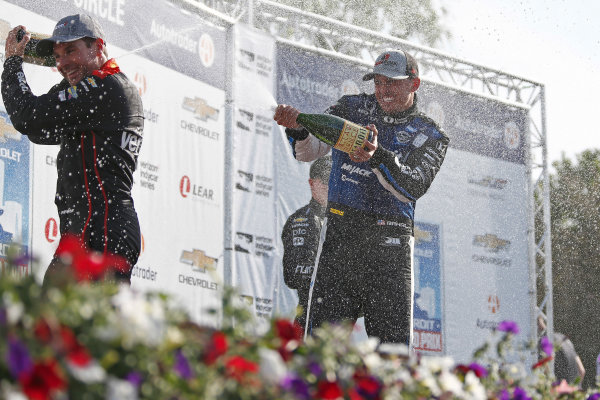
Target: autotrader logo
[[206, 50], [493, 303], [51, 230]]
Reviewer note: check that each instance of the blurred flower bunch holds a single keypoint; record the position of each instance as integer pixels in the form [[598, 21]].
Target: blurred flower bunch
[[89, 338]]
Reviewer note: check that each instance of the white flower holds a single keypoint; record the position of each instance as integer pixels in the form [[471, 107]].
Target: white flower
[[91, 373], [272, 367], [450, 383], [141, 319], [14, 309], [117, 389], [473, 387]]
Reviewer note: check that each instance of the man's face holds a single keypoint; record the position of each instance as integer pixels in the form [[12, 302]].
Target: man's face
[[75, 60], [394, 95], [319, 190]]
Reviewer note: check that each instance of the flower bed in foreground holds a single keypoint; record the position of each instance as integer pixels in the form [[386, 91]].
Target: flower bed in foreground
[[85, 340]]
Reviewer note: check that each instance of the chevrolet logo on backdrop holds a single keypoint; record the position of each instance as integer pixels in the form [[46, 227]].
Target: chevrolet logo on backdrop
[[491, 243], [200, 108], [198, 260]]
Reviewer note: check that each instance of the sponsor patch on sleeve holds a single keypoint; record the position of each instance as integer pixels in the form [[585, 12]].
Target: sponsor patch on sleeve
[[419, 140]]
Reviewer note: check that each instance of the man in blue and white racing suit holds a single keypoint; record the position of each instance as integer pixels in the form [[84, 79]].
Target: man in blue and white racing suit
[[365, 260]]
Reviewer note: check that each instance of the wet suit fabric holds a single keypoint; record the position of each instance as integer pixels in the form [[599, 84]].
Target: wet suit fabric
[[300, 236], [365, 263], [98, 125]]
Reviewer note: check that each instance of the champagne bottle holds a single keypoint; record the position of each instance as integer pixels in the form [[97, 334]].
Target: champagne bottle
[[31, 56], [335, 131]]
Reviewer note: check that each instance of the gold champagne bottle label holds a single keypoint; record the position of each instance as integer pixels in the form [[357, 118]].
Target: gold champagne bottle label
[[352, 137]]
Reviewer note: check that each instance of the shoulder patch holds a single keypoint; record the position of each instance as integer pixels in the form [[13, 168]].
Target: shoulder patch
[[419, 140], [72, 92], [91, 81]]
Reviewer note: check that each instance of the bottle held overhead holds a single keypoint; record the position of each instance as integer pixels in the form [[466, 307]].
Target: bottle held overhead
[[337, 132], [31, 55]]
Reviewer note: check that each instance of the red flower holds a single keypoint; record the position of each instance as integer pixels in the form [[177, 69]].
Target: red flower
[[367, 387], [216, 348], [42, 381], [238, 367], [42, 331], [75, 352], [329, 390], [286, 330], [87, 264]]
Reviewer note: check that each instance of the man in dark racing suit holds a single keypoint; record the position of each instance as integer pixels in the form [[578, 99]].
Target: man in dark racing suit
[[365, 262], [96, 116], [300, 236]]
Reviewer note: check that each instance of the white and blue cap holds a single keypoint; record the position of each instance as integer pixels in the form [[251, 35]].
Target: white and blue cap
[[395, 64], [69, 29]]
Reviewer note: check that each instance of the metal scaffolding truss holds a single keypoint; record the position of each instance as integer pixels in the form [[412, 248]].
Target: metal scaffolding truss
[[347, 41]]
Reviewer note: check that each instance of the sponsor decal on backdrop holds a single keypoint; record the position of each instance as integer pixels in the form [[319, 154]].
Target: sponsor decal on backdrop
[[248, 121], [199, 261], [51, 230], [145, 273], [489, 182], [493, 303], [253, 62], [492, 244], [427, 314], [139, 80], [295, 82], [111, 10], [189, 189], [259, 184], [202, 112], [51, 161], [149, 174], [206, 50], [263, 307], [200, 108], [493, 306], [512, 135], [248, 243]]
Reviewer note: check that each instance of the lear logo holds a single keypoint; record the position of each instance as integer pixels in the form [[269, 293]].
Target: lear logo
[[51, 230], [200, 108], [491, 243], [493, 303], [139, 79], [7, 131], [206, 50], [186, 188], [198, 260]]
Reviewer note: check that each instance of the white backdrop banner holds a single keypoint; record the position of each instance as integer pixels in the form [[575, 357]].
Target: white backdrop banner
[[254, 189]]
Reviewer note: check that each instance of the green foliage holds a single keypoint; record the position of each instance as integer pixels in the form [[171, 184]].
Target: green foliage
[[414, 20], [575, 214]]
